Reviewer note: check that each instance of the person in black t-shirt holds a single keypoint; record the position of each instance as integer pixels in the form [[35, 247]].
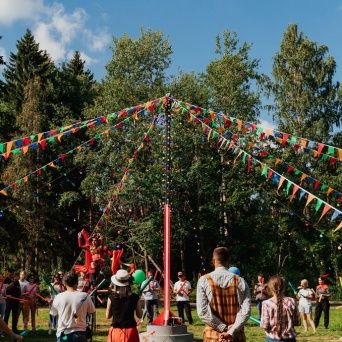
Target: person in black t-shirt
[[121, 306], [13, 293]]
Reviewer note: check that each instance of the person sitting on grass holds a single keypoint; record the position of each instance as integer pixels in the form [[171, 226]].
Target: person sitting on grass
[[279, 314], [121, 306], [305, 295]]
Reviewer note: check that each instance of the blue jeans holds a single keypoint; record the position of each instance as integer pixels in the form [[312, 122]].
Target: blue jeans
[[259, 306], [268, 339], [77, 336]]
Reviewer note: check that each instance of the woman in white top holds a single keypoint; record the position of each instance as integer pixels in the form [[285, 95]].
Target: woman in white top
[[305, 295]]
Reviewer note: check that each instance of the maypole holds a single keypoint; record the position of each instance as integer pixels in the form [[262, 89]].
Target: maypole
[[167, 208]]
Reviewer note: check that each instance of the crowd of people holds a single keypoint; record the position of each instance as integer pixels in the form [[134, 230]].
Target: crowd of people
[[223, 303]]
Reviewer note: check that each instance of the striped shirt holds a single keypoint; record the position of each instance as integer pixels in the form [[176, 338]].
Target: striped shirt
[[222, 278], [289, 318]]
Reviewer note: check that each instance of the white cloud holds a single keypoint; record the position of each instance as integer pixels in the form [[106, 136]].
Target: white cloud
[[55, 29], [4, 55], [267, 124], [56, 34], [97, 42], [13, 10]]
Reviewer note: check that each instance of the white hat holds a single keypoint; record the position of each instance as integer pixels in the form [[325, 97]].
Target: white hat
[[121, 278]]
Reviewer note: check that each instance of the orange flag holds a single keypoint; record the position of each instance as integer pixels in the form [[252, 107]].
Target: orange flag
[[59, 137], [304, 175], [329, 191], [8, 149], [338, 228], [303, 142], [267, 132], [326, 208], [311, 197], [4, 192], [339, 152], [320, 149], [25, 179], [40, 135], [281, 181], [237, 156], [25, 149], [213, 116], [277, 161], [239, 124]]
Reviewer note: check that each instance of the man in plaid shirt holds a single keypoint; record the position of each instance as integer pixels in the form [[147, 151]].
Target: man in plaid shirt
[[223, 301]]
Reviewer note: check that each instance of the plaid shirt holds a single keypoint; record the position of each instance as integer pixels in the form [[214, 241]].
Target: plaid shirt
[[223, 278], [289, 318]]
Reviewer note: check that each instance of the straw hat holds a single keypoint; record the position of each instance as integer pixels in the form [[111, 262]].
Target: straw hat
[[121, 278]]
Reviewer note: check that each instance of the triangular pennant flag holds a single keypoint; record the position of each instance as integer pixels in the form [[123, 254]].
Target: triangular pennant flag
[[277, 161], [318, 204], [339, 153], [237, 156], [311, 197], [326, 209], [303, 142], [52, 165], [9, 148], [302, 193], [269, 173], [268, 132], [264, 171], [335, 215], [4, 192], [25, 179], [285, 137], [244, 157], [329, 191], [288, 186], [40, 135], [239, 124], [304, 175], [331, 151], [281, 181], [25, 149], [294, 191], [338, 228], [59, 137], [320, 149], [2, 148], [214, 135]]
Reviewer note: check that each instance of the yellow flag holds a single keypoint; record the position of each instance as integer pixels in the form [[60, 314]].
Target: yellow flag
[[311, 197], [281, 181], [239, 124], [338, 228], [4, 192]]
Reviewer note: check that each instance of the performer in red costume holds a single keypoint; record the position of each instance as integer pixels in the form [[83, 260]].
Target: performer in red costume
[[95, 253]]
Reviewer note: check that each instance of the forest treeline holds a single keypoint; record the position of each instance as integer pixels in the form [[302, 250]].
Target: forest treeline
[[214, 200]]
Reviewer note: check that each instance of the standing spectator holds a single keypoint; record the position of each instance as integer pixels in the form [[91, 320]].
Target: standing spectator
[[121, 306], [55, 288], [182, 289], [22, 282], [260, 292], [223, 301], [279, 313], [13, 293], [30, 305], [305, 295], [83, 282], [72, 308], [322, 304], [151, 297], [3, 287]]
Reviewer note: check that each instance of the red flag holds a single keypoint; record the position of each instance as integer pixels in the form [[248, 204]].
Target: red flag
[[320, 149], [326, 209], [285, 137]]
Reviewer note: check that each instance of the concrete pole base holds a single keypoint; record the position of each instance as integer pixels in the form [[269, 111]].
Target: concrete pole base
[[166, 333]]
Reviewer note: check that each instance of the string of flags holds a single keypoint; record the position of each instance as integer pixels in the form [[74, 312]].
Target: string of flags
[[292, 189], [40, 140], [61, 158], [106, 212], [315, 149]]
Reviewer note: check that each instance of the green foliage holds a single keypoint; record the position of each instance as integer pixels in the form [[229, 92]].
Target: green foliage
[[304, 90]]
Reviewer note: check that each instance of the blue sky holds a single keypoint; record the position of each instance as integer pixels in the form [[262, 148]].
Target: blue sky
[[191, 26]]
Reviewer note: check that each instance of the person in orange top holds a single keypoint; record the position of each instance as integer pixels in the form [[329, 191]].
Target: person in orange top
[[30, 305], [322, 304]]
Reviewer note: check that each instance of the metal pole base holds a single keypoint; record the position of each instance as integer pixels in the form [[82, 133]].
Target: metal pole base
[[166, 333]]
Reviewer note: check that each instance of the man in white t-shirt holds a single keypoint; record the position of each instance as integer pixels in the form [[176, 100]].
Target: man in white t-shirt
[[23, 282], [72, 308], [182, 289]]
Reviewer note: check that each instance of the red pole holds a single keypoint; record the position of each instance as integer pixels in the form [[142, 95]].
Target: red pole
[[167, 252]]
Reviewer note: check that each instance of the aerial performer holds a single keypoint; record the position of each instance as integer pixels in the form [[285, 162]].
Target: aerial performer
[[95, 253]]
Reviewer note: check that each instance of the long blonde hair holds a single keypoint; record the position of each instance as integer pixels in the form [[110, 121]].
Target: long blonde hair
[[276, 284]]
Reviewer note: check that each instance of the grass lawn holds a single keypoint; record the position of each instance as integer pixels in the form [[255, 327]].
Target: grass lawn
[[253, 332]]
